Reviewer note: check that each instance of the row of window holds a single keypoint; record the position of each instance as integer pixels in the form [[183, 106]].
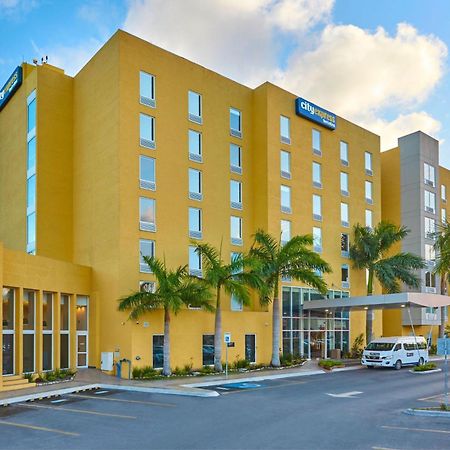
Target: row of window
[[430, 179], [31, 173]]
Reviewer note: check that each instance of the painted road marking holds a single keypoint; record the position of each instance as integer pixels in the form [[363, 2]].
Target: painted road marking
[[35, 427], [425, 430], [346, 394], [240, 391], [384, 448], [59, 401], [109, 399], [100, 392], [80, 411], [434, 398]]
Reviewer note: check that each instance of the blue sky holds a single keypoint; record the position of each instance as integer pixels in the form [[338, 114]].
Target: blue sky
[[350, 56]]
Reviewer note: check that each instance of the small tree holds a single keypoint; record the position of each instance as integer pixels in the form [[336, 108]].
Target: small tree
[[293, 259], [174, 289], [369, 251], [234, 278]]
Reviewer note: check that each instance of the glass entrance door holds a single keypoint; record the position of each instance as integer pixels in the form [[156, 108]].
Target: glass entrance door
[[82, 350], [8, 354], [8, 331], [82, 331], [318, 347], [250, 348]]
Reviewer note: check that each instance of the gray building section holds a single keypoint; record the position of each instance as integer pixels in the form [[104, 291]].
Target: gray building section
[[419, 182]]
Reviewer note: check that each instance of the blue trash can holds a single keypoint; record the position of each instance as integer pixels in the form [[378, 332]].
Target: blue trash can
[[119, 369]]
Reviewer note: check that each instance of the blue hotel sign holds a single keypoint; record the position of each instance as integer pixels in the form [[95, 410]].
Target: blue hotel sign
[[11, 86], [314, 113]]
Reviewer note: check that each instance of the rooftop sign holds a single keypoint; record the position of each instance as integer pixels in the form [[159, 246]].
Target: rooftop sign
[[314, 113], [11, 86]]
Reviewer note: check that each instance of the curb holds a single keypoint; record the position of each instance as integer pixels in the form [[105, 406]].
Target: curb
[[427, 413], [425, 372]]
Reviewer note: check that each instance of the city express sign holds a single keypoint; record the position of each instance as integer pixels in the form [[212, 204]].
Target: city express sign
[[11, 86], [314, 113]]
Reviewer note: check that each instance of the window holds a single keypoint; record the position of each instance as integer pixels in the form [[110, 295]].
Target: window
[[317, 149], [285, 162], [368, 163], [344, 153], [195, 146], [195, 262], [195, 223], [147, 131], [31, 194], [29, 315], [147, 249], [147, 173], [236, 230], [31, 160], [369, 218], [317, 239], [345, 274], [31, 171], [344, 215], [430, 202], [31, 114], [443, 193], [250, 348], [64, 342], [429, 175], [195, 184], [147, 214], [344, 184], [285, 129], [285, 199], [47, 327], [429, 253], [235, 123], [147, 89], [345, 245], [368, 190], [430, 281], [317, 174], [285, 231], [430, 227], [195, 107], [208, 349], [31, 233], [236, 159], [236, 304], [443, 215], [317, 207], [158, 351], [236, 194]]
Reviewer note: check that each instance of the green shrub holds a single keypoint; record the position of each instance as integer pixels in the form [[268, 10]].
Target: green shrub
[[241, 364], [425, 367], [357, 348], [29, 377], [288, 360], [206, 370], [432, 349], [329, 363], [145, 373], [444, 407]]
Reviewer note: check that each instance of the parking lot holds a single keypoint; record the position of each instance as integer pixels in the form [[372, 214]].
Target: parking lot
[[347, 410]]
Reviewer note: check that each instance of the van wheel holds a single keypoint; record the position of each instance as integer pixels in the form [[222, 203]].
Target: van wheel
[[398, 365], [421, 361]]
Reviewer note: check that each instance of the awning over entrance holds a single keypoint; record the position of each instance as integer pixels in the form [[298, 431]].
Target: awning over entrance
[[388, 301]]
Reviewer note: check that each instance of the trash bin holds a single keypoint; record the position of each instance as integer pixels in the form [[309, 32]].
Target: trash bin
[[335, 353], [119, 369]]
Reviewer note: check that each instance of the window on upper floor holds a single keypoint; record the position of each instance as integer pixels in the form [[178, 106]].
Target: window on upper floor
[[236, 194], [429, 174], [285, 163], [285, 192], [195, 223], [147, 214], [430, 254], [147, 249], [317, 207], [344, 153], [368, 163], [31, 114], [368, 192], [285, 129], [430, 280], [31, 194], [344, 184], [317, 239], [147, 131], [430, 227], [345, 245], [195, 184], [345, 276], [195, 107], [285, 231], [443, 193], [236, 230], [235, 122], [317, 174], [147, 89], [236, 159], [195, 146], [443, 215], [369, 218], [147, 179], [430, 202], [195, 262], [344, 215], [316, 144]]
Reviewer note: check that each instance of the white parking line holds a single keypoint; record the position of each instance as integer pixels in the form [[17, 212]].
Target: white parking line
[[61, 400], [100, 392]]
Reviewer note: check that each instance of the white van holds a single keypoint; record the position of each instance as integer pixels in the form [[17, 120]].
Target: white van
[[395, 352]]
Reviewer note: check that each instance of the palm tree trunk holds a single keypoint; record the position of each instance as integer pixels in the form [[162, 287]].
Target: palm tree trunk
[[443, 292], [369, 312], [218, 335], [166, 348], [276, 328]]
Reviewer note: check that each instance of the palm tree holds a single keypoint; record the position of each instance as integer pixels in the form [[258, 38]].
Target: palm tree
[[234, 278], [369, 251], [293, 259], [442, 268], [174, 289]]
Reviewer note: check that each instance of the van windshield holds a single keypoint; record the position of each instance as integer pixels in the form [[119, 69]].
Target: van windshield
[[380, 346]]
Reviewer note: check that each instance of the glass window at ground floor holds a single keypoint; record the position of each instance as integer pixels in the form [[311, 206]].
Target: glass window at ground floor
[[47, 352], [158, 351], [208, 350], [28, 353], [250, 348], [8, 354], [64, 351]]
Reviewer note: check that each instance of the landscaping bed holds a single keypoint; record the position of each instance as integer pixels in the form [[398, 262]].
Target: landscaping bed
[[51, 377], [425, 368], [330, 364]]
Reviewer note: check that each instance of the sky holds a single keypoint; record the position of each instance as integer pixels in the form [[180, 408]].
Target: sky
[[382, 64]]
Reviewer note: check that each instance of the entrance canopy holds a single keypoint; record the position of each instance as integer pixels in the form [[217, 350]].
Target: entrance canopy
[[388, 301]]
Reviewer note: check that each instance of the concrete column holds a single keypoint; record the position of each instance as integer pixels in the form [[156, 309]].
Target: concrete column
[[56, 329], [73, 330], [18, 338], [38, 333]]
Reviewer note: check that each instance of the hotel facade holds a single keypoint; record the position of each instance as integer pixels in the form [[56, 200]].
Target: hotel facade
[[144, 153]]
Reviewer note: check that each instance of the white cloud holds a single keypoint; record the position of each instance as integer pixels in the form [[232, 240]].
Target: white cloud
[[16, 8]]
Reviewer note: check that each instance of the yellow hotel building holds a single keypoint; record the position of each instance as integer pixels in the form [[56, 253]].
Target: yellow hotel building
[[144, 152]]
